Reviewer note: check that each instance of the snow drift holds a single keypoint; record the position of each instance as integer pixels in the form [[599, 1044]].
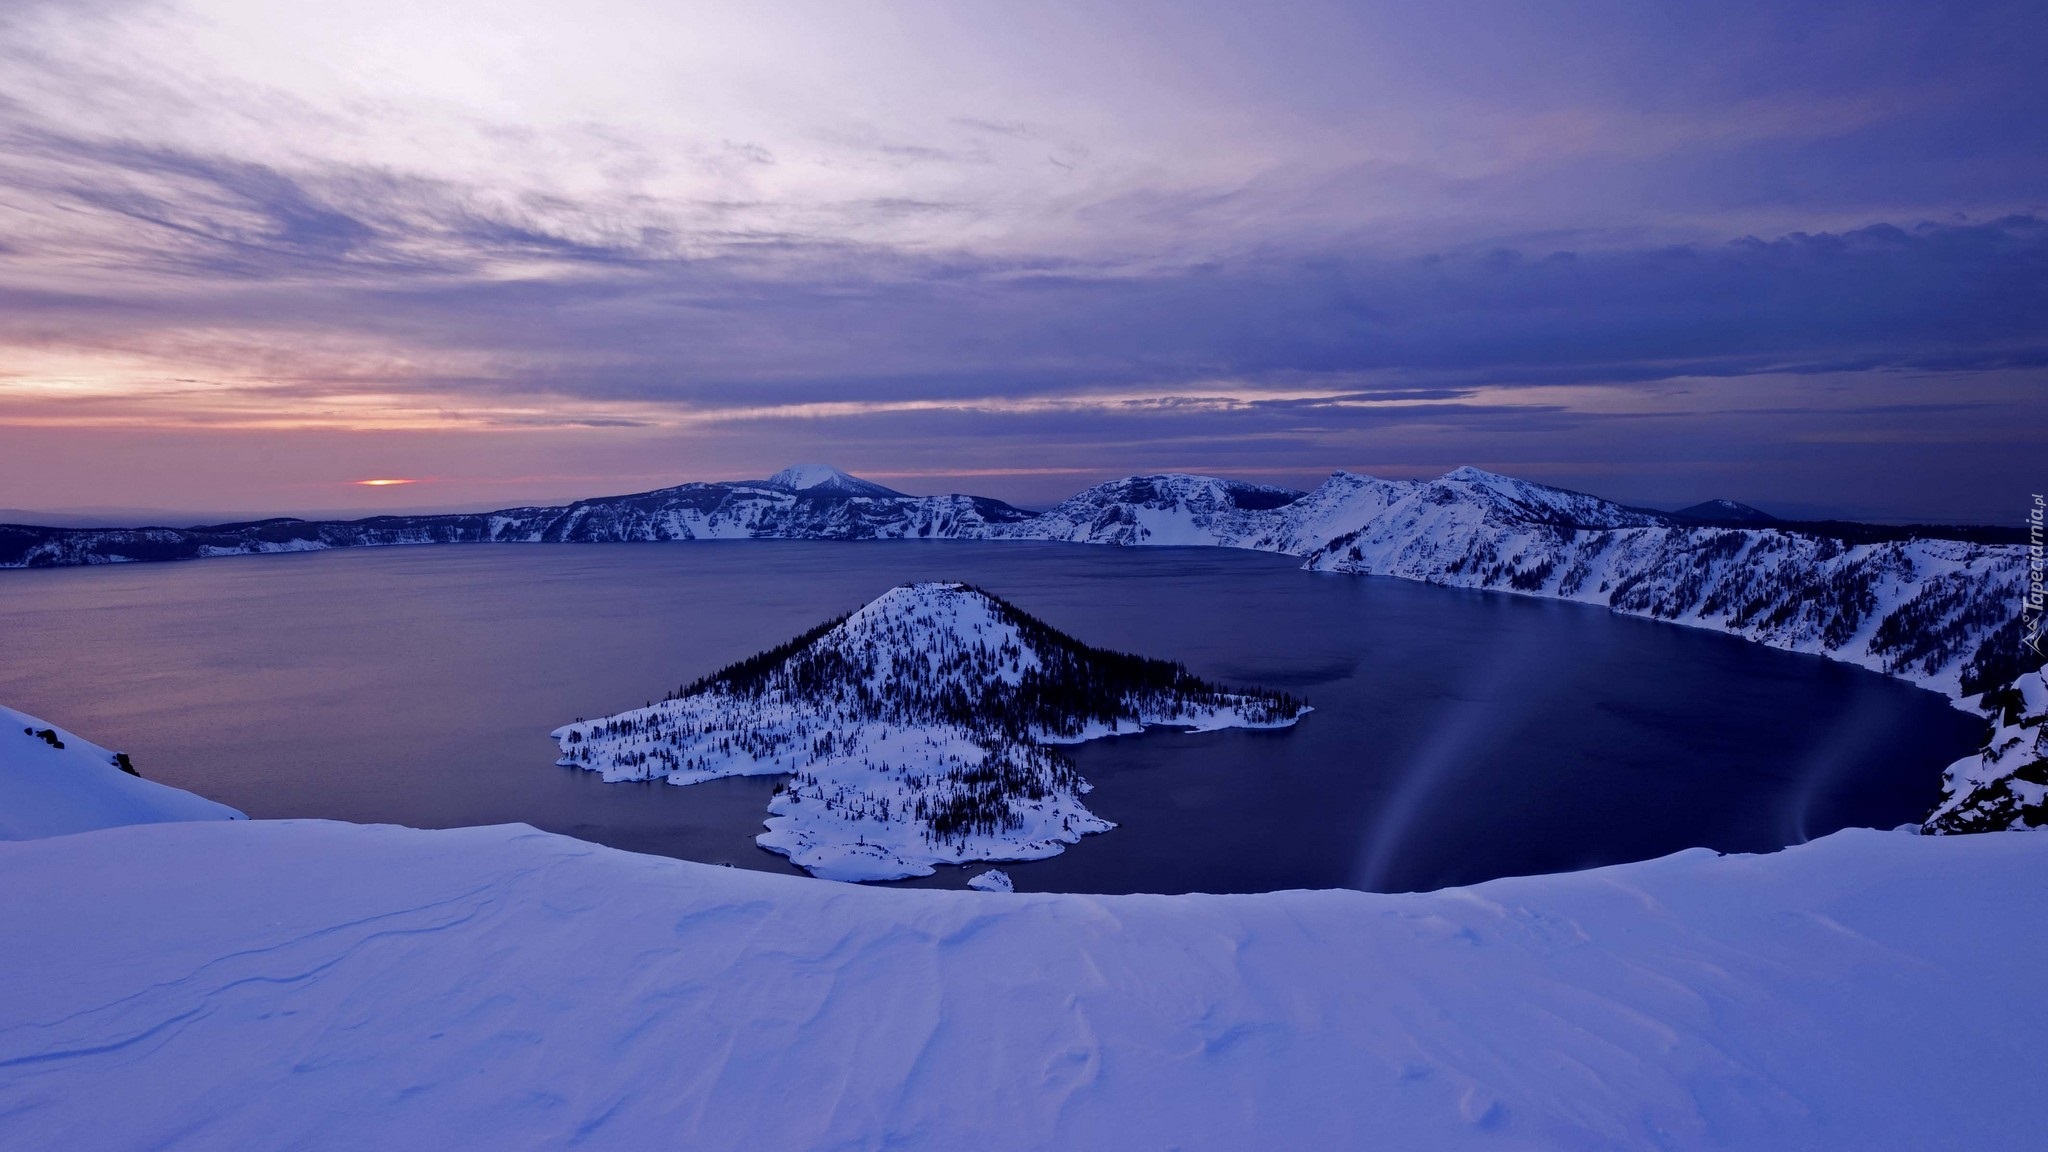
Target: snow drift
[[316, 985]]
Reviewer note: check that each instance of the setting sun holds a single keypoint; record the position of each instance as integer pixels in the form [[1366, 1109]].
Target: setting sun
[[384, 483]]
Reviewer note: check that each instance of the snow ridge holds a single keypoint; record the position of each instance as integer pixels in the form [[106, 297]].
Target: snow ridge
[[1167, 509], [915, 731], [1939, 613], [53, 784]]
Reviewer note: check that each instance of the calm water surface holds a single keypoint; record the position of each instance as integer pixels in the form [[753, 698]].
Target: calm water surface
[[1458, 735]]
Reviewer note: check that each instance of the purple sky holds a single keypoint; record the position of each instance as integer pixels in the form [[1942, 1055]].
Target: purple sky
[[251, 253]]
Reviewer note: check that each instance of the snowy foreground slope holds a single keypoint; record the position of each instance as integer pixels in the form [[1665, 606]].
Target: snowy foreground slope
[[324, 985], [915, 732], [52, 783]]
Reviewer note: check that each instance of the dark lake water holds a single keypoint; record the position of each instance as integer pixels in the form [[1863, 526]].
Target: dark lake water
[[1458, 735]]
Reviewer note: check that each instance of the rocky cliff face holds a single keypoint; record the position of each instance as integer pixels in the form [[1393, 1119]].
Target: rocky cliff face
[[2005, 785]]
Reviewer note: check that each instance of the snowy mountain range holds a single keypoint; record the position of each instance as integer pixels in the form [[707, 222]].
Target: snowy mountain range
[[1939, 607], [1939, 611], [808, 502], [916, 731], [1943, 613]]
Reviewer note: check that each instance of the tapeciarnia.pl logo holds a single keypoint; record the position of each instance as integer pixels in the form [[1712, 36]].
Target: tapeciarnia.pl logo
[[2037, 578]]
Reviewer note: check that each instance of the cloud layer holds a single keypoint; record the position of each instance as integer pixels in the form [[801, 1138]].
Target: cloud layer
[[1803, 245]]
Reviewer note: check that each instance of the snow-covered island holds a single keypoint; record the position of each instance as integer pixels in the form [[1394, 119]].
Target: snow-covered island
[[916, 731]]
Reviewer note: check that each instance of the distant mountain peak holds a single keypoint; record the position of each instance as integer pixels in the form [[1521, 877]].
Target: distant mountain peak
[[1527, 501], [1470, 475], [1725, 512], [825, 478]]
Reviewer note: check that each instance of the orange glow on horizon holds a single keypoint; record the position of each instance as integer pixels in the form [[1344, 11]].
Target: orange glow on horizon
[[384, 483]]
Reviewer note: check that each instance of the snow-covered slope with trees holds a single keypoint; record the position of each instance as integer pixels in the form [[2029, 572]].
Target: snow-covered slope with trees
[[916, 732], [317, 985], [1940, 613], [1164, 509], [52, 783], [1943, 613], [2006, 784]]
